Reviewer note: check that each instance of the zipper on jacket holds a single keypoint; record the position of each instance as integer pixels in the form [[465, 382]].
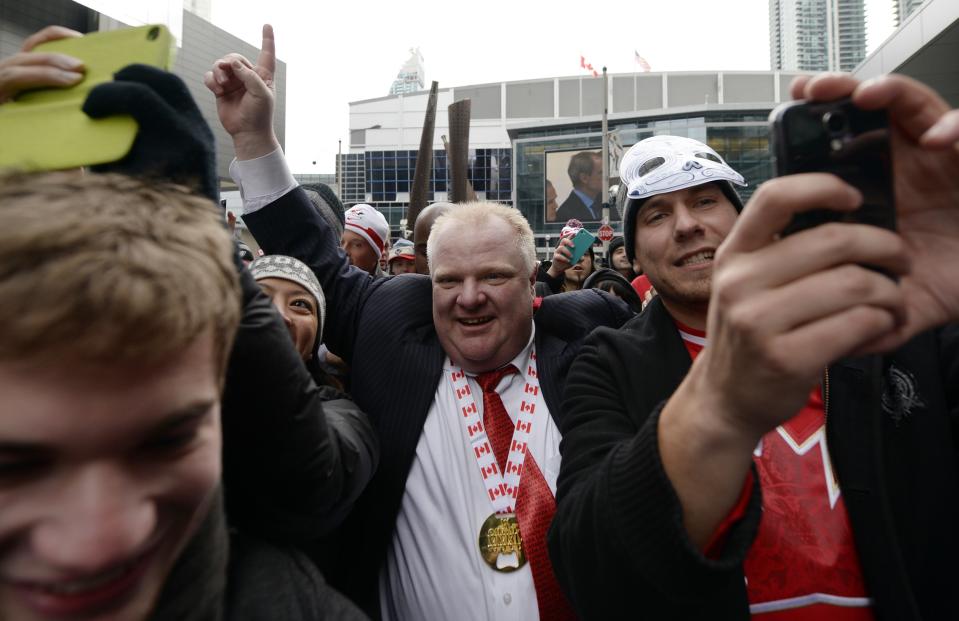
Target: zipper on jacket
[[825, 392]]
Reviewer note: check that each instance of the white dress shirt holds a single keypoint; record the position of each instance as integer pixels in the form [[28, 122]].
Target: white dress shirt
[[262, 180], [433, 569]]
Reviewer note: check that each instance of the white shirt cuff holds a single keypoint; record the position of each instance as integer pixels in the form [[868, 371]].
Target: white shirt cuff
[[262, 180]]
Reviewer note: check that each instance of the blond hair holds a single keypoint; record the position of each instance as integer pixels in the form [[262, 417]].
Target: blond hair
[[471, 216], [108, 269]]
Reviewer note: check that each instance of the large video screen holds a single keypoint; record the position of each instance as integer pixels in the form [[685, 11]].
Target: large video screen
[[574, 185]]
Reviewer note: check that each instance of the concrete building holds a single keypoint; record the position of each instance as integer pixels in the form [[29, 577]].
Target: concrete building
[[816, 35], [925, 47], [199, 44]]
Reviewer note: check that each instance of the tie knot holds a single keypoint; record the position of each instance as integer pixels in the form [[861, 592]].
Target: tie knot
[[489, 380]]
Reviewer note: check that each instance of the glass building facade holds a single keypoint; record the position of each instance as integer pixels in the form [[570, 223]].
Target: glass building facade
[[383, 178], [741, 137]]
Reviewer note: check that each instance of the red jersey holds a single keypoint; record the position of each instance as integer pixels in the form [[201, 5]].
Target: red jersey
[[803, 565]]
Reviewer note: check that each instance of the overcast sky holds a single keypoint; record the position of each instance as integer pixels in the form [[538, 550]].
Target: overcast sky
[[347, 50]]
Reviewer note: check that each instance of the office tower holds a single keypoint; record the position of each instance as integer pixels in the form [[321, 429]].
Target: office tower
[[816, 35], [903, 9], [411, 77], [200, 8]]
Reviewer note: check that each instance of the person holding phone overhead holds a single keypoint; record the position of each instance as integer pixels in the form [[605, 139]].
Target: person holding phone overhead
[[742, 391], [573, 261]]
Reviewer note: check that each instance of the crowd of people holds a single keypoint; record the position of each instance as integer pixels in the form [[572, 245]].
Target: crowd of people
[[724, 423]]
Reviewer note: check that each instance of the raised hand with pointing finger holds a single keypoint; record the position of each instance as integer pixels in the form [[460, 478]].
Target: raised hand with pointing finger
[[245, 98]]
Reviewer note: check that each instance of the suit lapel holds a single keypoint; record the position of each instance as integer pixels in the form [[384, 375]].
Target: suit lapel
[[421, 355], [550, 359]]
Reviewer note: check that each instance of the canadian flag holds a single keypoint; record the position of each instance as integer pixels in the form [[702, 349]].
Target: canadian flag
[[462, 392], [488, 471], [532, 372], [469, 409], [530, 389], [458, 375], [527, 407], [521, 426], [482, 450], [514, 469], [587, 66], [519, 447], [475, 429]]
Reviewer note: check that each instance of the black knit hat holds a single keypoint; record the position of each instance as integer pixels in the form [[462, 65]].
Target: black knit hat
[[634, 204], [327, 203], [609, 279], [615, 243]]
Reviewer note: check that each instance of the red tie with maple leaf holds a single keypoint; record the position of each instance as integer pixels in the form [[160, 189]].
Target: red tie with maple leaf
[[535, 504]]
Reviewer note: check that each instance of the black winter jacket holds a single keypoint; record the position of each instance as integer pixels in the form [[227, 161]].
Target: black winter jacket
[[617, 541], [296, 457]]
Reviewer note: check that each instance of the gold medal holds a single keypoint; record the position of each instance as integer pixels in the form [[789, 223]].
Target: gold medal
[[501, 544]]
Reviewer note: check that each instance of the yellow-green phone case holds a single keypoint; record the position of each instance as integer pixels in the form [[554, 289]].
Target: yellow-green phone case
[[46, 129]]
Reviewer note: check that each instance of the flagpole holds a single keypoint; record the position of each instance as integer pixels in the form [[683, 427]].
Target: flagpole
[[339, 165], [605, 157]]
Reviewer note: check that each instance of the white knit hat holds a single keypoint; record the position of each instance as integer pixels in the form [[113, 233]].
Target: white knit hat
[[369, 224]]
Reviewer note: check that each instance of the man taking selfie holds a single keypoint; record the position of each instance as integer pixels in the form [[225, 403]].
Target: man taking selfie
[[744, 390]]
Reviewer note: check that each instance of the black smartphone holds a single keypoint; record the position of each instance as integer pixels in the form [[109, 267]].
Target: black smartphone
[[838, 138]]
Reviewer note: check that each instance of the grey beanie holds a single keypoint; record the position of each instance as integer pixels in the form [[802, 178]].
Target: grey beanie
[[293, 270]]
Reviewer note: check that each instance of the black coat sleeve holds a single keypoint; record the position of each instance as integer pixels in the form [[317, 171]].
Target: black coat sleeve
[[555, 285], [617, 542], [292, 226], [948, 338], [291, 471]]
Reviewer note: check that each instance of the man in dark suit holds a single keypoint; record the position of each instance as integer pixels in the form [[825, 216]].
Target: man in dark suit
[[461, 380], [585, 200]]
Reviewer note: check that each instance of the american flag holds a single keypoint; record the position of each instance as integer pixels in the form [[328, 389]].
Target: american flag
[[642, 62]]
